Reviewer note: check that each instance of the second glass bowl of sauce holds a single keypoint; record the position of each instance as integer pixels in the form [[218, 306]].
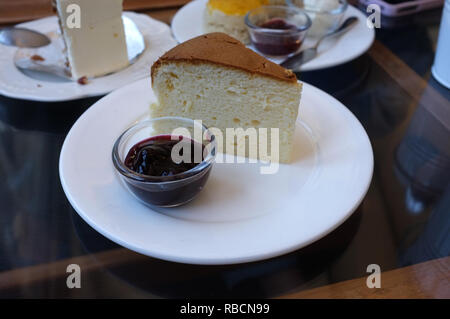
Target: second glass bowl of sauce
[[277, 31]]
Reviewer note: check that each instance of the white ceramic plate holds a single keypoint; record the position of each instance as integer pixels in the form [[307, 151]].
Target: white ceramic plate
[[241, 215], [14, 83], [188, 23]]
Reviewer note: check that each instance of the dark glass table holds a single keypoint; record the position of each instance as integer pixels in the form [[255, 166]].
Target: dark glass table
[[403, 220]]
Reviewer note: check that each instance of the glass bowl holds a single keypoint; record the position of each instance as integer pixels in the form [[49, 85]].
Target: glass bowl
[[172, 190], [277, 30], [326, 15]]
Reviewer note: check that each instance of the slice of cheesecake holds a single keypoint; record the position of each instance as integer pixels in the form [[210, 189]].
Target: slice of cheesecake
[[94, 36], [216, 79]]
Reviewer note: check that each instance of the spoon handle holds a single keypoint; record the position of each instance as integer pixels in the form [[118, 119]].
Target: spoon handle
[[308, 54], [347, 24]]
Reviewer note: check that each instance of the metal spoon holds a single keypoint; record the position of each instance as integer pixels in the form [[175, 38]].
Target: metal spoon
[[23, 38], [294, 62]]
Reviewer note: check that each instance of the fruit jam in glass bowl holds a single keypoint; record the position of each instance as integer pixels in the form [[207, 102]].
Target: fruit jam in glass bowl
[[160, 161], [277, 31]]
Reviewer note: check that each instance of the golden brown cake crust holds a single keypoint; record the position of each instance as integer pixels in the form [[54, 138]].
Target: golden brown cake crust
[[219, 48]]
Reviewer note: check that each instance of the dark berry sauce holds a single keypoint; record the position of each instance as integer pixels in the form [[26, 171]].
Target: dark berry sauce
[[277, 23], [153, 157], [277, 44]]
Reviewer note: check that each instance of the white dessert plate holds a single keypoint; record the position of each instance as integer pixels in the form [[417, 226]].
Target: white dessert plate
[[188, 24], [15, 83], [241, 215]]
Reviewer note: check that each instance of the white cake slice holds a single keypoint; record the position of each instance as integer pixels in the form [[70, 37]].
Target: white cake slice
[[227, 16], [98, 46], [216, 79]]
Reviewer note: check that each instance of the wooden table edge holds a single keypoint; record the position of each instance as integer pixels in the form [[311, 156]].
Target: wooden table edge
[[429, 279]]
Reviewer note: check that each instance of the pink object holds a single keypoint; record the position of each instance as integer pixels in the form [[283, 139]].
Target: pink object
[[396, 8]]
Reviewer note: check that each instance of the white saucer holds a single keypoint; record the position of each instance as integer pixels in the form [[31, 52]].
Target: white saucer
[[188, 23], [241, 215], [14, 83]]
